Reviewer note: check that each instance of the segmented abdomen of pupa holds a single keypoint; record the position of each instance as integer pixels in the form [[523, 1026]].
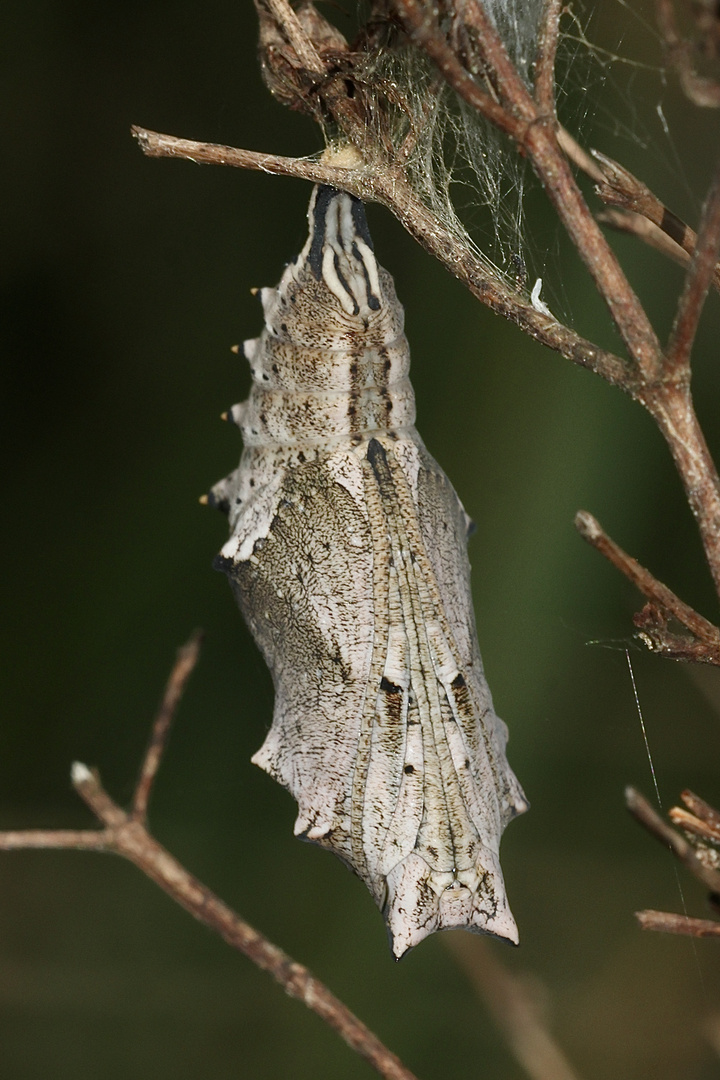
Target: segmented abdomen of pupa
[[347, 555]]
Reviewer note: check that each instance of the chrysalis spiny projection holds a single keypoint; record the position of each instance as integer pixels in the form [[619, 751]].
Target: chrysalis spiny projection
[[347, 556]]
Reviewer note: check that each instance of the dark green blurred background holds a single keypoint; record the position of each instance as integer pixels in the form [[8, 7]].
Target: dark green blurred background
[[123, 283]]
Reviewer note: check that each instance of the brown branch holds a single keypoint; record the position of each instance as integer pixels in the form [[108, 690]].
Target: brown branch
[[580, 157], [419, 21], [670, 405], [619, 187], [671, 237], [628, 221], [492, 291], [126, 835], [697, 283], [306, 52], [546, 53], [79, 840], [707, 634], [669, 923], [512, 1008], [155, 145], [626, 310], [682, 850]]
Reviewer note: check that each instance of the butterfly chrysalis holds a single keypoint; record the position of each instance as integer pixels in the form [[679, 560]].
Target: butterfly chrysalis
[[347, 556]]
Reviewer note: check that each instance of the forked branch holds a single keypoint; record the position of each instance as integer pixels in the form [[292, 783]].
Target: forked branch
[[126, 834]]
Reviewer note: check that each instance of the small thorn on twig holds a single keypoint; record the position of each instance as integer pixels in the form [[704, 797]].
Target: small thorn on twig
[[669, 922]]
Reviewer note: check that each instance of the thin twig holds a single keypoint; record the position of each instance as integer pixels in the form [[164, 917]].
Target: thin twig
[[306, 52], [619, 187], [702, 810], [641, 810], [628, 221], [126, 835], [154, 144], [621, 190], [670, 923], [573, 150], [187, 658], [546, 53], [71, 839], [670, 404], [692, 824], [671, 236], [591, 530], [697, 284], [699, 861], [512, 1008]]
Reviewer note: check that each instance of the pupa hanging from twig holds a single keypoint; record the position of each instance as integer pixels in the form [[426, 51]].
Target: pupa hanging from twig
[[347, 556]]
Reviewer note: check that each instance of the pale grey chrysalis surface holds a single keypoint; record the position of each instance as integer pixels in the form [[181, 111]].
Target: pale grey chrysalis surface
[[347, 555]]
